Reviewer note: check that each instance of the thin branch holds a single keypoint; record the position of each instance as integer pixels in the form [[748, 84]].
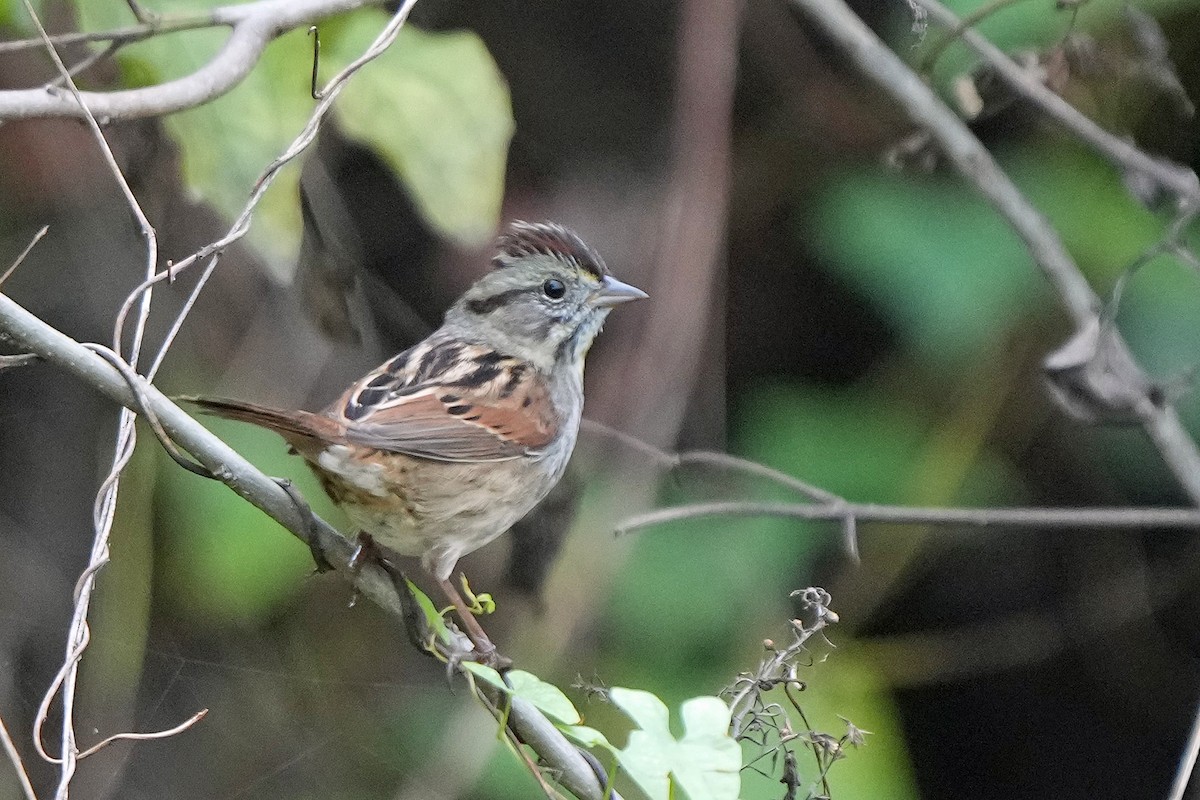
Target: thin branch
[[29, 333], [10, 749], [141, 737], [1178, 179], [913, 515], [37, 237], [254, 26], [969, 21], [127, 35], [1187, 761], [84, 64], [709, 457]]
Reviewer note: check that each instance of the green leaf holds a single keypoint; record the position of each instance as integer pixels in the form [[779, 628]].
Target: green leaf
[[546, 697], [432, 615], [705, 763], [586, 737], [435, 108]]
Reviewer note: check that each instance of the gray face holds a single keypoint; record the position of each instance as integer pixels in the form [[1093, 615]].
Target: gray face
[[542, 307]]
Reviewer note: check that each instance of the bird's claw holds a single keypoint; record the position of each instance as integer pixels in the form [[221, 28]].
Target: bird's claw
[[310, 538]]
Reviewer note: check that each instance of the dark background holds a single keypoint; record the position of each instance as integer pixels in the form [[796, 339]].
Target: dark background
[[875, 331]]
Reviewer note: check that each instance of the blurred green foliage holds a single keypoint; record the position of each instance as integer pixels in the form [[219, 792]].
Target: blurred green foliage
[[221, 559]]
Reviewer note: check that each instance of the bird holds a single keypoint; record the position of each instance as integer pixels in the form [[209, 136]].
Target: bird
[[440, 449]]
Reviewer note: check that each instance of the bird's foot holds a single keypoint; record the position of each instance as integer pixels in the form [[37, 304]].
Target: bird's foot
[[485, 652], [366, 551], [311, 538]]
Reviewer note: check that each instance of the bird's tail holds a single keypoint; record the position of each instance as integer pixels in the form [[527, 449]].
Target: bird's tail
[[291, 425]]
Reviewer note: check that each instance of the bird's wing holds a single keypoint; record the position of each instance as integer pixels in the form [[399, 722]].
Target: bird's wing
[[451, 402]]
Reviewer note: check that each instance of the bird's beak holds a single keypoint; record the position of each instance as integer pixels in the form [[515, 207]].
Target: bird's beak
[[613, 292]]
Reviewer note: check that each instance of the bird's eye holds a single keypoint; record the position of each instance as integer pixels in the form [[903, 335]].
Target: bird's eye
[[554, 288]]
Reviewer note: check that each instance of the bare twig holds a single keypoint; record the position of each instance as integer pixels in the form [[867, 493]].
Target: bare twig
[[37, 237], [751, 714], [126, 35], [18, 360], [968, 21], [253, 26], [178, 729], [14, 757], [722, 460], [1187, 761], [106, 499], [911, 515], [84, 64]]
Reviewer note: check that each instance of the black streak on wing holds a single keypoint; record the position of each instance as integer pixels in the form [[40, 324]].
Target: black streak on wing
[[439, 359], [482, 374], [514, 380]]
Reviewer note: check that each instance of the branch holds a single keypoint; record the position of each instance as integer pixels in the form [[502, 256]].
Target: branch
[[911, 515], [1180, 180], [29, 333], [1111, 375], [254, 26]]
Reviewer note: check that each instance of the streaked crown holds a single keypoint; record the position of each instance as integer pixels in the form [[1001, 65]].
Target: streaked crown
[[524, 239]]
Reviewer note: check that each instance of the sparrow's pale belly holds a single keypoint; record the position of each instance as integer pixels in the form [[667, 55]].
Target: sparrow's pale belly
[[436, 510]]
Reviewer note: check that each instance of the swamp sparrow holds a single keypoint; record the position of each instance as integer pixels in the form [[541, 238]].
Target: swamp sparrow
[[442, 448]]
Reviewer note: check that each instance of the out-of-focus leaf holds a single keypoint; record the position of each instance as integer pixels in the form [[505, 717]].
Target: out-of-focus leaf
[[948, 269], [227, 143], [14, 15], [930, 255], [224, 560], [436, 108], [705, 763], [1102, 225]]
